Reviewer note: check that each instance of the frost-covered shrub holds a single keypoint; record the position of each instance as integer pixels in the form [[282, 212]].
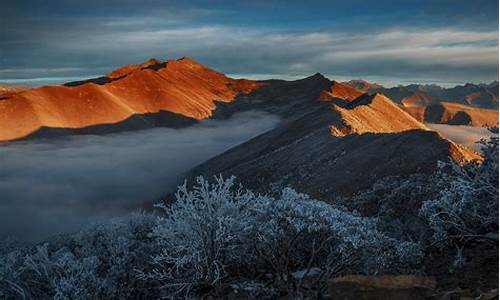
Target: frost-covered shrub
[[467, 207], [9, 273], [69, 276], [96, 263], [202, 232], [311, 225], [395, 202], [214, 237], [215, 232]]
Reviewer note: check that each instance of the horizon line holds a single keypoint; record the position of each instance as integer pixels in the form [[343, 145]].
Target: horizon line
[[385, 81]]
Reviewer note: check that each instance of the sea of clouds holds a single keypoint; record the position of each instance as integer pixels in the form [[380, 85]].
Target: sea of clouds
[[52, 186]]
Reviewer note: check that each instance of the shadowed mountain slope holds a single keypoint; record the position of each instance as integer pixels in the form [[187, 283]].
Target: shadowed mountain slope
[[326, 147], [134, 122], [304, 154]]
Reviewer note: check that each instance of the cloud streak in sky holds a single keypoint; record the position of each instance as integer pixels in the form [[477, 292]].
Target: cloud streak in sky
[[225, 39]]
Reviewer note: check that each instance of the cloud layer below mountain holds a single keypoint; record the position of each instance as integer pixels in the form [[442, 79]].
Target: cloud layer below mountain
[[53, 186]]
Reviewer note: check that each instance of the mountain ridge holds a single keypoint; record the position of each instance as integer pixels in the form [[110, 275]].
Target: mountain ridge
[[329, 135], [325, 148], [184, 87]]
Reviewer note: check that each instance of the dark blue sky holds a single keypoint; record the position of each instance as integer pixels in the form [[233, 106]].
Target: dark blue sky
[[385, 41]]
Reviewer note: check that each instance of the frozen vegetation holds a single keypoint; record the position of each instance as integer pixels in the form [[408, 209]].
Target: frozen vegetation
[[467, 208], [217, 238]]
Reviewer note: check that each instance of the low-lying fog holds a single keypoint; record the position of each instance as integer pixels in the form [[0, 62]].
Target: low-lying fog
[[465, 135], [54, 186]]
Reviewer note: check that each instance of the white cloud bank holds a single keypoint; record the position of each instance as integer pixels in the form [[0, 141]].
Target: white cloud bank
[[53, 186]]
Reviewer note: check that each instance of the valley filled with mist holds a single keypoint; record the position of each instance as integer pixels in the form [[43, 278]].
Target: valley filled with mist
[[61, 184]]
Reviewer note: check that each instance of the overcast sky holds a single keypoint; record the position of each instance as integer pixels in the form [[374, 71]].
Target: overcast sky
[[389, 42]]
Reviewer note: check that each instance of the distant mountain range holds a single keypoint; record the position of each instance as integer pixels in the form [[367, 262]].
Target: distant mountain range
[[476, 95], [469, 104], [176, 93]]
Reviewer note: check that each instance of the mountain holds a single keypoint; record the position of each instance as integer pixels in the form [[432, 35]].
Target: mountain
[[485, 96], [363, 85], [340, 91], [6, 91], [177, 93], [469, 104], [333, 138], [135, 94], [369, 114], [476, 95], [328, 147], [454, 114], [418, 99]]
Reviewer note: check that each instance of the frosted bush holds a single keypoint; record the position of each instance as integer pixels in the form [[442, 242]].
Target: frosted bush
[[216, 235], [219, 231], [467, 208], [10, 270], [96, 263], [339, 237], [204, 230]]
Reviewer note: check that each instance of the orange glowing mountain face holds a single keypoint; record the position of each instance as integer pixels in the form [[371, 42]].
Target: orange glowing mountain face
[[417, 99], [454, 114], [180, 86], [6, 91], [340, 91], [364, 113], [369, 114]]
